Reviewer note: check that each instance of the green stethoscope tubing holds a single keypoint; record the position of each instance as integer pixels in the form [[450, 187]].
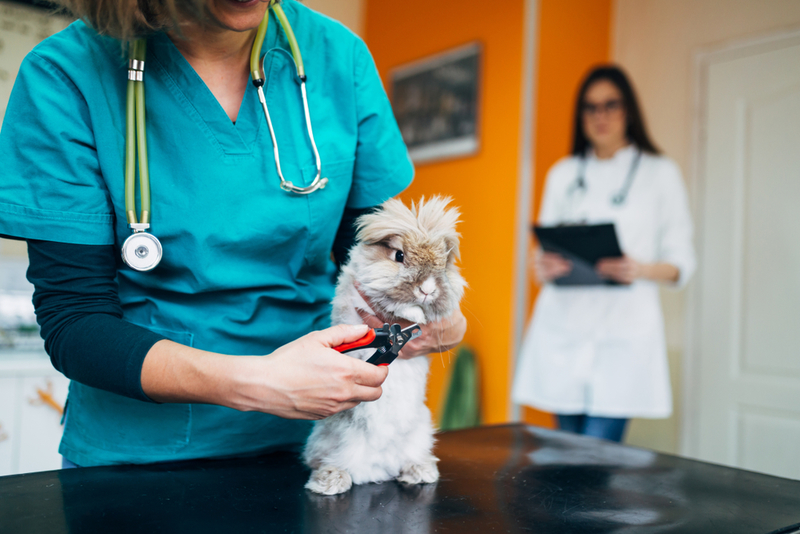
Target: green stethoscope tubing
[[136, 138], [261, 33], [258, 82]]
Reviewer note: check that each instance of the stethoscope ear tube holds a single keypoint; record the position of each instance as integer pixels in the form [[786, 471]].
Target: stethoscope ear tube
[[618, 198], [286, 185]]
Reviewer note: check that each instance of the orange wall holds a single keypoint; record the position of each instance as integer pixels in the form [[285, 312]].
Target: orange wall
[[573, 36], [484, 185]]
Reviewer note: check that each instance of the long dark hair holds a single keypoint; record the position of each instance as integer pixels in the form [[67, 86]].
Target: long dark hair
[[635, 130]]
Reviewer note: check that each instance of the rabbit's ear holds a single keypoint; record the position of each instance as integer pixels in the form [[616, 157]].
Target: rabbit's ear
[[440, 222], [392, 219], [453, 252]]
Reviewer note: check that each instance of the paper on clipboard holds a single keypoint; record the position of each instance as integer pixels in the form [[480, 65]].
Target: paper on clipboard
[[583, 245]]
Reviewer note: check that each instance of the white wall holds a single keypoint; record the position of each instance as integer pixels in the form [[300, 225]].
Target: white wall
[[656, 41]]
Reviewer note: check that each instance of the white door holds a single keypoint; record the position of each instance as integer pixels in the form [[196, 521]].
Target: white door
[[744, 363]]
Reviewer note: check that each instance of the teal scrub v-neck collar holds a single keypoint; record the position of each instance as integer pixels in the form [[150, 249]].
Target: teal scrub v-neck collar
[[234, 139]]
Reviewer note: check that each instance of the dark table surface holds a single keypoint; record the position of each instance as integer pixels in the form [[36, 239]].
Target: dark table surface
[[494, 479]]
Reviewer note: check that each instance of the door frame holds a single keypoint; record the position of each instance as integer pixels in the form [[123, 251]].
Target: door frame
[[703, 59], [525, 163]]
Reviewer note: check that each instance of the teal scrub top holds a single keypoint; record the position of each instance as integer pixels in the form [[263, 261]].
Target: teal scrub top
[[246, 266]]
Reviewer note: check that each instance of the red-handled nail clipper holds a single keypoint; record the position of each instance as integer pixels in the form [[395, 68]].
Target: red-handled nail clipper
[[387, 339]]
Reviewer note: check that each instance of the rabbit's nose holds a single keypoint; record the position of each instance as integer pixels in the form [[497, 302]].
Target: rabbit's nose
[[428, 286]]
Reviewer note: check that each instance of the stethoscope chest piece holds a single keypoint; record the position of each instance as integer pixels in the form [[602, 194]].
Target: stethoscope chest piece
[[141, 251]]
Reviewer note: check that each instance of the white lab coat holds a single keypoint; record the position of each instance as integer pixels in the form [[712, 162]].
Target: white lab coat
[[600, 350]]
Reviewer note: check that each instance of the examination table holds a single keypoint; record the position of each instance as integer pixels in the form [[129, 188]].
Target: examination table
[[509, 478]]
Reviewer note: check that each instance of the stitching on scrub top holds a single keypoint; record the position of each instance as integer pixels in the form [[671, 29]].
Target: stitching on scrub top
[[54, 69], [59, 73], [176, 90], [55, 215], [357, 65]]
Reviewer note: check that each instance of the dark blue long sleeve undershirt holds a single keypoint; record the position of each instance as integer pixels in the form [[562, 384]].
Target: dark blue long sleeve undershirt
[[78, 309]]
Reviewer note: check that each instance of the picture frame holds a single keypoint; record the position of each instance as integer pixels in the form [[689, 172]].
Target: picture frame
[[436, 101]]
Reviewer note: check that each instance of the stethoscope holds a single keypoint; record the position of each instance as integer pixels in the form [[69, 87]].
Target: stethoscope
[[618, 198], [142, 251]]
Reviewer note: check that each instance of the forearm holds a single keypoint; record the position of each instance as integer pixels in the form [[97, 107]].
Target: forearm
[[660, 272], [301, 380], [172, 372], [176, 373]]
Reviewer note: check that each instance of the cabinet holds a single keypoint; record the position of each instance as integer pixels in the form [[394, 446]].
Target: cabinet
[[30, 427]]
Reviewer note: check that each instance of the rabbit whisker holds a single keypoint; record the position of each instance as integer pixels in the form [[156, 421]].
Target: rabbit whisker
[[466, 309]]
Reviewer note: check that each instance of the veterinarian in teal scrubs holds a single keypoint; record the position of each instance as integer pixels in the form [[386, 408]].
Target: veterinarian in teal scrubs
[[246, 266]]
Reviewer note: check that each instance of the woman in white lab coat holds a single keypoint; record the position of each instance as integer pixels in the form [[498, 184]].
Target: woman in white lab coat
[[596, 355]]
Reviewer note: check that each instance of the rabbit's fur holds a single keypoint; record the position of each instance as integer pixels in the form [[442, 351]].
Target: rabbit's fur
[[392, 437]]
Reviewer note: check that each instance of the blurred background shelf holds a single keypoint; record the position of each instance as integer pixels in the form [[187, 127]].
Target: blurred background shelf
[[30, 426]]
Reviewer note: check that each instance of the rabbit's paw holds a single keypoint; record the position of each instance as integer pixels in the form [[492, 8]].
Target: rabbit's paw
[[423, 473], [412, 313], [329, 480]]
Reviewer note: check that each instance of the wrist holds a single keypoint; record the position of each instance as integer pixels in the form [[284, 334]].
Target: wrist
[[228, 381], [645, 271], [660, 272]]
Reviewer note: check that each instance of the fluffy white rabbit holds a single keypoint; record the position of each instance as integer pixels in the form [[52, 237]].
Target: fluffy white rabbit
[[404, 264]]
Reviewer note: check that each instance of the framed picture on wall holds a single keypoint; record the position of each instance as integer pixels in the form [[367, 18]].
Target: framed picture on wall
[[435, 102]]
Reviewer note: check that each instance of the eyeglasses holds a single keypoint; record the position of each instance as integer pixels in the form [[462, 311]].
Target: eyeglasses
[[610, 107]]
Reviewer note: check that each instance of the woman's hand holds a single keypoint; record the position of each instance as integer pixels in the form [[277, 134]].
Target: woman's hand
[[304, 379], [548, 266], [439, 336], [309, 380], [624, 270]]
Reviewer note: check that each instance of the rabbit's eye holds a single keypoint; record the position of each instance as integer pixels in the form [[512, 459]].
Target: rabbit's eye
[[399, 257]]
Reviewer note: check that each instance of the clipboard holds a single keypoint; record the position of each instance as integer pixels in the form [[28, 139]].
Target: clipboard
[[583, 245]]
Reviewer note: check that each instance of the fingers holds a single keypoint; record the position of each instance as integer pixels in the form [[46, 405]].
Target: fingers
[[556, 264], [340, 334], [370, 320], [610, 263], [552, 257], [368, 375], [559, 270], [365, 394], [550, 266], [606, 268], [624, 270], [374, 322], [363, 385], [439, 336]]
